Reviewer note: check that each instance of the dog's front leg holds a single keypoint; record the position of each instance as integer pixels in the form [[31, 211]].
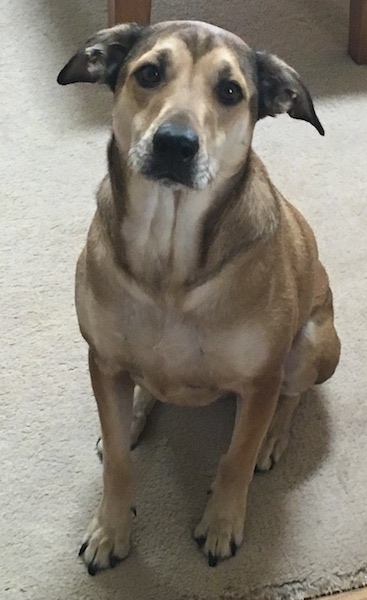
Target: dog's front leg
[[107, 539], [220, 531]]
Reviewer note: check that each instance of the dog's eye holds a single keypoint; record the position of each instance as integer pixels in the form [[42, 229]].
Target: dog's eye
[[229, 92], [148, 76]]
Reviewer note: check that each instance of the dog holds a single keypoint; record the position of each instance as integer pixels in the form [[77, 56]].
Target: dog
[[198, 279]]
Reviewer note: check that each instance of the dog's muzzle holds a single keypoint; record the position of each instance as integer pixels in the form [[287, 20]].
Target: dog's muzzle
[[175, 148]]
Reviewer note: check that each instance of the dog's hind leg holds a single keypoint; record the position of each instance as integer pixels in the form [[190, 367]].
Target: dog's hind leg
[[278, 434], [143, 404], [312, 359]]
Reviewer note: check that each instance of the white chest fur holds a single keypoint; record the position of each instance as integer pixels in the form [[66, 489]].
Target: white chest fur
[[163, 344], [161, 230]]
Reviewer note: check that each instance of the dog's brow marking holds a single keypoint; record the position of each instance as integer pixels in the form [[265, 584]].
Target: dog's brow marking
[[226, 62], [160, 52], [163, 58], [198, 45], [225, 71]]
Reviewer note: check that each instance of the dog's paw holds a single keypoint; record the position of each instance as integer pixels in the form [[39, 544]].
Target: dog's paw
[[220, 532], [105, 545], [272, 449]]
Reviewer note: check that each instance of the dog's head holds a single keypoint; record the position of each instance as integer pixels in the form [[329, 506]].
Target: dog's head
[[187, 96]]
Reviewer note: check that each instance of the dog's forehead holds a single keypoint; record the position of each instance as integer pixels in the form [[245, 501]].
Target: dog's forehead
[[199, 38]]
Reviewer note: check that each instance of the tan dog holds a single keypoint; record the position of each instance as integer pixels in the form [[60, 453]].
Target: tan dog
[[198, 278]]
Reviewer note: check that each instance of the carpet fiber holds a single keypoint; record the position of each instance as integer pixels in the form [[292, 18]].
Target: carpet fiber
[[306, 529]]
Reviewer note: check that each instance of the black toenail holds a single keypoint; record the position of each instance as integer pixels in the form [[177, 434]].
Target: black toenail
[[83, 548], [200, 541], [212, 560], [233, 548], [99, 452], [114, 560], [92, 569], [261, 471]]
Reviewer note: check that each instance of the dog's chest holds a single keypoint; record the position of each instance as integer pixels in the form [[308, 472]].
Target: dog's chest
[[178, 360]]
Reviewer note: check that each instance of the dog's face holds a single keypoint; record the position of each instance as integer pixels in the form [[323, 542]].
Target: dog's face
[[187, 97], [184, 108]]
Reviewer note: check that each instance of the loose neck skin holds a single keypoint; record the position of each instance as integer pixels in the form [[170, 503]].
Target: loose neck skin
[[174, 237]]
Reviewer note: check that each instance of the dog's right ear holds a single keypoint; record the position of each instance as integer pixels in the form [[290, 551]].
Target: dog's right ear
[[101, 57]]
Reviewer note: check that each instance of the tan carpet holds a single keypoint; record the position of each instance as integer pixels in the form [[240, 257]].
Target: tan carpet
[[306, 530]]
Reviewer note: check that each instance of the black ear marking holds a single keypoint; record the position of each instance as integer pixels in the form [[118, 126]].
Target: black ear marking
[[101, 57], [281, 90]]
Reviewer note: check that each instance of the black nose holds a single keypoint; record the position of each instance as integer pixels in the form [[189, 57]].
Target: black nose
[[175, 142]]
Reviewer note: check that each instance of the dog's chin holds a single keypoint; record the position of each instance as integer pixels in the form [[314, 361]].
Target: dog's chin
[[170, 181], [174, 185], [167, 176], [177, 181]]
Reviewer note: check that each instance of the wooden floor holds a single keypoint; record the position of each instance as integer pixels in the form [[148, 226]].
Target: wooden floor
[[354, 595]]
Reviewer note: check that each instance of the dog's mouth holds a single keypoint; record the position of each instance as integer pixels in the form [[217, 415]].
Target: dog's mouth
[[169, 175], [195, 175]]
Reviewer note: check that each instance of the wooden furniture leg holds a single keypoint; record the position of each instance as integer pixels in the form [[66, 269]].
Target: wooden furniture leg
[[358, 31], [138, 11], [129, 11]]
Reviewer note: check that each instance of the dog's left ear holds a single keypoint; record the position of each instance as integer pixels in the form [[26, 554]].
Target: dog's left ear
[[101, 57], [281, 90]]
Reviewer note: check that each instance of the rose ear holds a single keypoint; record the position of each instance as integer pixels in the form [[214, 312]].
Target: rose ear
[[101, 57], [281, 90]]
